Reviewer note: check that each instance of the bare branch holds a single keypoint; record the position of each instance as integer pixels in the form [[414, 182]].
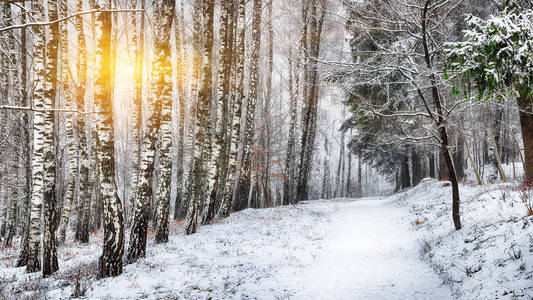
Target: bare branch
[[67, 18]]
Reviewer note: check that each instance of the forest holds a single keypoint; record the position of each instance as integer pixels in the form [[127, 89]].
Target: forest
[[241, 147]]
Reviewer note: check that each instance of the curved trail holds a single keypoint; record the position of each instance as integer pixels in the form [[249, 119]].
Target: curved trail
[[361, 249], [370, 253]]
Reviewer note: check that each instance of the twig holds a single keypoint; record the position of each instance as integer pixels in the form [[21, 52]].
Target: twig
[[67, 18]]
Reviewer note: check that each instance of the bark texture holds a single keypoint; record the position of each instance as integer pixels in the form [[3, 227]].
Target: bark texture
[[110, 262], [33, 263], [164, 11]]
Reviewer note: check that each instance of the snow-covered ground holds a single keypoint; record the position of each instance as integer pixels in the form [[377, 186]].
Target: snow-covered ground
[[492, 256], [399, 247], [316, 250], [369, 253]]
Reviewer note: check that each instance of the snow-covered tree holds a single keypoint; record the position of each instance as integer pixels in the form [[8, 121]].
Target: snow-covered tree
[[497, 58]]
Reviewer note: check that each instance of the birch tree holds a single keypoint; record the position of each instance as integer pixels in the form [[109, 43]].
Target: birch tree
[[50, 264], [310, 110], [217, 152], [136, 125], [288, 184], [238, 96], [139, 229], [202, 133], [12, 96], [110, 262], [33, 263], [82, 226], [179, 29], [164, 11], [27, 140], [70, 126], [244, 180]]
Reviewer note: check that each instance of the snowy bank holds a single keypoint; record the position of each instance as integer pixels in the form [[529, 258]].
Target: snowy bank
[[492, 256], [243, 256]]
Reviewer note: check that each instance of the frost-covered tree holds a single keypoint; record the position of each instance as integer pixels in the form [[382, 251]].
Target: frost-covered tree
[[288, 184], [158, 133], [143, 192], [397, 49], [497, 58], [9, 59]]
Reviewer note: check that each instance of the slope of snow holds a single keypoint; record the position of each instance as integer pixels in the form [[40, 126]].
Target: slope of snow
[[343, 249], [242, 256], [339, 249], [492, 256]]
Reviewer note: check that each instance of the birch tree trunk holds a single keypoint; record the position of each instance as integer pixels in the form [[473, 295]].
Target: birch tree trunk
[[139, 229], [50, 264], [27, 123], [12, 98], [110, 263], [310, 111], [202, 129], [13, 204], [136, 125], [33, 263], [164, 10], [266, 109], [289, 161], [82, 227], [193, 128], [72, 146], [182, 94], [217, 153], [244, 181], [228, 195]]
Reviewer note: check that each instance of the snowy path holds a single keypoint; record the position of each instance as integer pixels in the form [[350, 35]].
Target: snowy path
[[317, 250], [370, 253]]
